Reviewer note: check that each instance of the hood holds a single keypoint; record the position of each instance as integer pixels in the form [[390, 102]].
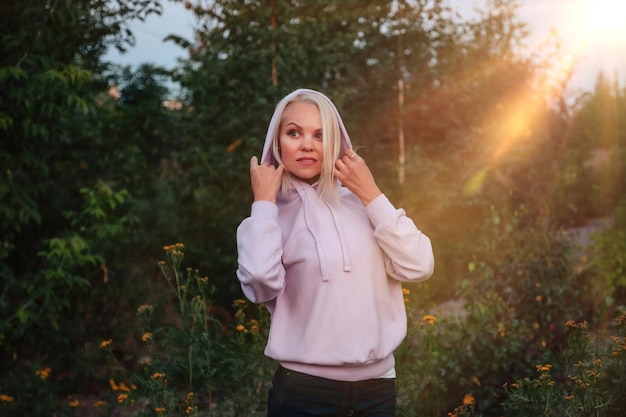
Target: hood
[[308, 211], [268, 156]]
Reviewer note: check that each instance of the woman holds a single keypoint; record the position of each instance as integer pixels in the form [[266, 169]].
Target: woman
[[327, 261]]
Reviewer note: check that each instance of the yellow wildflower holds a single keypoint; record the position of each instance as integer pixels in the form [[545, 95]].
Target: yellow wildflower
[[469, 399], [6, 398], [144, 308], [429, 319], [240, 328], [175, 247], [239, 303], [189, 410], [106, 343], [159, 410], [73, 402], [544, 368], [121, 398], [190, 395], [592, 374], [573, 325], [43, 373], [146, 337], [158, 375], [123, 387], [406, 291], [99, 404]]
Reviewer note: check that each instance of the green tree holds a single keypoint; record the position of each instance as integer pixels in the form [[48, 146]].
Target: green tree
[[59, 216], [592, 172]]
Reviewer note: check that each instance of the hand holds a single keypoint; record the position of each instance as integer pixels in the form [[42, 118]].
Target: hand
[[265, 179], [354, 174]]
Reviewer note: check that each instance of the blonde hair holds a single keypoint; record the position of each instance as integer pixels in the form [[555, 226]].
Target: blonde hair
[[331, 143]]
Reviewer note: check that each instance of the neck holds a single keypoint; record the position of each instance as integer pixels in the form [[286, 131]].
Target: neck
[[309, 181]]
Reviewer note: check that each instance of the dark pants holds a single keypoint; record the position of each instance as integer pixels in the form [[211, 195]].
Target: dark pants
[[294, 394]]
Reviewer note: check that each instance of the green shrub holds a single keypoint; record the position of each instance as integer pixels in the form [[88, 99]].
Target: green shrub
[[588, 379], [521, 286], [609, 249], [191, 362]]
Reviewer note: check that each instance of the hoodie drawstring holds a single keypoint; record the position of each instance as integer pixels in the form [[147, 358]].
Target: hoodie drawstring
[[342, 240], [318, 244]]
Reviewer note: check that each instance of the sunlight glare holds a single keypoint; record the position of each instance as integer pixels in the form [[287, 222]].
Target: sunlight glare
[[597, 22], [606, 19], [594, 37]]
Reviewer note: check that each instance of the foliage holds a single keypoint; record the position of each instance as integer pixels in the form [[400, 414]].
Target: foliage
[[518, 291], [610, 254], [47, 307], [591, 169], [59, 220], [191, 363], [588, 380], [92, 178]]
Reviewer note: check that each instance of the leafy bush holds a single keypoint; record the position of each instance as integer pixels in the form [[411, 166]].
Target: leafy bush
[[609, 258], [589, 379], [521, 287], [191, 362], [45, 314]]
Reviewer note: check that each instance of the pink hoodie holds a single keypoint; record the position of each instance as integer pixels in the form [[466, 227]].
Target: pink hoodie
[[330, 275]]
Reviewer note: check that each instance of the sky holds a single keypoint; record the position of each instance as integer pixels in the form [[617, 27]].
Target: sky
[[592, 31]]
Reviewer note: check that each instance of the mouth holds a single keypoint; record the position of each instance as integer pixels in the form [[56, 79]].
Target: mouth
[[307, 160]]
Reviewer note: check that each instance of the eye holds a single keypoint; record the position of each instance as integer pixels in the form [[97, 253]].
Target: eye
[[319, 136], [293, 133]]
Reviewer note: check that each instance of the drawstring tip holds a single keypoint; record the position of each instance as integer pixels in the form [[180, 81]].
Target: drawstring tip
[[347, 269]]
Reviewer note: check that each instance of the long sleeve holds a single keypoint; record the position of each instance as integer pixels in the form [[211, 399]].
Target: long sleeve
[[409, 253], [259, 246]]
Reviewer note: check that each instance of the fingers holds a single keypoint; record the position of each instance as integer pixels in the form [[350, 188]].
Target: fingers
[[255, 166], [349, 158]]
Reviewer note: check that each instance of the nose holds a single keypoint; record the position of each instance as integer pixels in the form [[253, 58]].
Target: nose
[[307, 142]]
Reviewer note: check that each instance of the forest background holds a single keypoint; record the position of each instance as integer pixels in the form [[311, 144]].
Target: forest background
[[120, 204]]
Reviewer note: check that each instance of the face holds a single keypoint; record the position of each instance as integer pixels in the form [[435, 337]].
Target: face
[[300, 139]]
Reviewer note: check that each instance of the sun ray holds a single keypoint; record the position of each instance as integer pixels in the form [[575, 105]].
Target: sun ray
[[596, 30]]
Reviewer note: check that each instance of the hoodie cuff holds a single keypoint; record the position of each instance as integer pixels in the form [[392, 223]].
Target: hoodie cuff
[[265, 209], [379, 210]]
